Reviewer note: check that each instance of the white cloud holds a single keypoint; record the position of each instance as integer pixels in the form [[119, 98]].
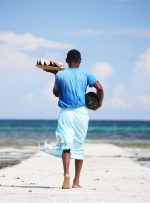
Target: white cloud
[[30, 97], [86, 32], [23, 92], [140, 80], [142, 66], [135, 31], [43, 102], [144, 101], [102, 70], [27, 42], [138, 32], [48, 91], [136, 92], [26, 92], [119, 90], [118, 98]]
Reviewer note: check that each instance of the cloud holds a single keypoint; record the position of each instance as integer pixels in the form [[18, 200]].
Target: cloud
[[29, 42], [140, 79], [118, 98], [144, 101], [135, 32], [138, 32], [140, 82], [142, 65], [135, 94], [23, 86], [30, 98], [86, 32], [102, 70], [26, 92], [42, 103]]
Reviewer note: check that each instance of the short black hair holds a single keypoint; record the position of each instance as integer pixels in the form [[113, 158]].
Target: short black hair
[[73, 56]]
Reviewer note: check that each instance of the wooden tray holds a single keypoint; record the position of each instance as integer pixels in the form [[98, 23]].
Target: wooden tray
[[49, 67]]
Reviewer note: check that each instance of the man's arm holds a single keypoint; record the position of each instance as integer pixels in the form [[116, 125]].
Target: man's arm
[[56, 93], [100, 94]]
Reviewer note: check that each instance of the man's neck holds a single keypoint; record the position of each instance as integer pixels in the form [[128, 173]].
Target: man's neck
[[74, 65]]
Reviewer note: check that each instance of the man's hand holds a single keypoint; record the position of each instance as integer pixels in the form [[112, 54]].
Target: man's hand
[[57, 94], [51, 71]]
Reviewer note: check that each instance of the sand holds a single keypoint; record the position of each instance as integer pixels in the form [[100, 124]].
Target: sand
[[108, 176]]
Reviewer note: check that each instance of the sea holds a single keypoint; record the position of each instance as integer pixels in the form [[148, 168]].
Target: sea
[[130, 134]]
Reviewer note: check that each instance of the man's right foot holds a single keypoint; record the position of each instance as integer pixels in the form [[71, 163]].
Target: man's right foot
[[76, 184]]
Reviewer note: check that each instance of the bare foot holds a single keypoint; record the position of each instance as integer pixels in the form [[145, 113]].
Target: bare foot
[[66, 183], [76, 186]]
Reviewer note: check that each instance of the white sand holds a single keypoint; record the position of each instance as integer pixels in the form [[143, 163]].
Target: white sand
[[108, 176]]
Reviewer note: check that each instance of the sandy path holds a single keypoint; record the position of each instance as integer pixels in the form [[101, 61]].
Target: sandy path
[[108, 176]]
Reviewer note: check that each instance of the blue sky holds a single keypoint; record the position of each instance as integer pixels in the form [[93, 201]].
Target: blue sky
[[113, 37]]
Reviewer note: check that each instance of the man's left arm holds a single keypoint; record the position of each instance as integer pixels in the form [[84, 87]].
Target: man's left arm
[[100, 94]]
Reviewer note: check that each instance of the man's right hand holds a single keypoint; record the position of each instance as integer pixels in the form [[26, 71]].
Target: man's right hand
[[51, 71]]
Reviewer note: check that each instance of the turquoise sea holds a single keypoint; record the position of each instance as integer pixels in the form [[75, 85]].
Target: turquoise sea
[[30, 132]]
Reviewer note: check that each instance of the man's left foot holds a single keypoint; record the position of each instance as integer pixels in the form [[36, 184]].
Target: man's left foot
[[66, 183]]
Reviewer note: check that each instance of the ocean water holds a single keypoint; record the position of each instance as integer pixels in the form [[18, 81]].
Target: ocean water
[[25, 135], [31, 132]]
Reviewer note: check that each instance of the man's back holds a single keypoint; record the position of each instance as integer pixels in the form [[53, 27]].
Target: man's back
[[72, 84]]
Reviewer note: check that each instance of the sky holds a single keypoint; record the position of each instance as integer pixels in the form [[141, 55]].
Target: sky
[[113, 37]]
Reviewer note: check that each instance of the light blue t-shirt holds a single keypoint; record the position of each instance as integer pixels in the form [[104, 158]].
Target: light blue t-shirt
[[72, 84]]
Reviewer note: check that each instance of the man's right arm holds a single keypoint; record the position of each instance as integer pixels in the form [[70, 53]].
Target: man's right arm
[[56, 93], [56, 89]]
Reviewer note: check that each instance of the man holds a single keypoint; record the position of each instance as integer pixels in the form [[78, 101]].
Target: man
[[70, 86]]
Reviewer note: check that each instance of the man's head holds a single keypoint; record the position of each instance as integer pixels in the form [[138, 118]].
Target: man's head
[[73, 58]]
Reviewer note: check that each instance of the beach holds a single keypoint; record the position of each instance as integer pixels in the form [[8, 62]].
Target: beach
[[108, 175]]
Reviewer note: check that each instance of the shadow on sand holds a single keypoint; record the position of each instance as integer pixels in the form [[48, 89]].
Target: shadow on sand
[[29, 186]]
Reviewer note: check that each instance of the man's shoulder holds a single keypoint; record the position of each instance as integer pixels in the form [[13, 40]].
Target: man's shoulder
[[62, 73], [86, 72], [67, 71]]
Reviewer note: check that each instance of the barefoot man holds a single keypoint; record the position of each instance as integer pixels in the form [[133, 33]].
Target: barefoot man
[[70, 86]]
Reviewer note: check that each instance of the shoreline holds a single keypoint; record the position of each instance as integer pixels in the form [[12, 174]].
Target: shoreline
[[13, 155], [137, 151], [8, 163]]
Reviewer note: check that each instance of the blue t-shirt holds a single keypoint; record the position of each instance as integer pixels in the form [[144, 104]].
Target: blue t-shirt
[[72, 84]]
